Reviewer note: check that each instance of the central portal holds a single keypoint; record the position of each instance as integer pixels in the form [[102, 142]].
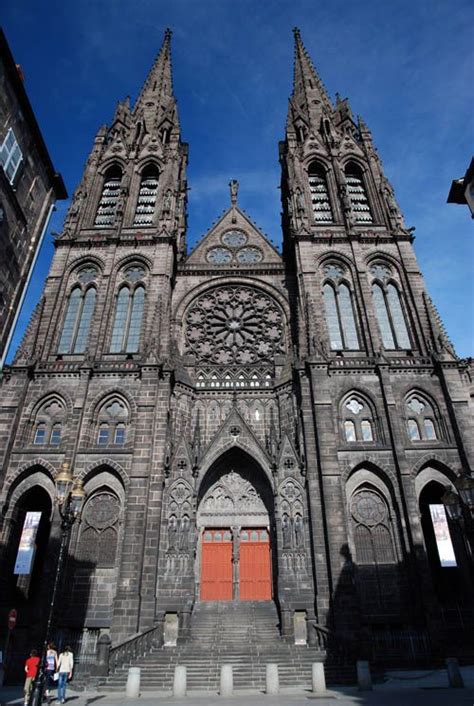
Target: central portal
[[234, 534]]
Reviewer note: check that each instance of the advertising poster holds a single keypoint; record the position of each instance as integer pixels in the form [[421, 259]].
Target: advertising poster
[[26, 549], [442, 535]]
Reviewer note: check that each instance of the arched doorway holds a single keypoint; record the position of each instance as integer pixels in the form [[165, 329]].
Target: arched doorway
[[235, 525]]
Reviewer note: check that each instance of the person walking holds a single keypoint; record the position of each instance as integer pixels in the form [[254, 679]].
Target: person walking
[[31, 669], [50, 669], [65, 667]]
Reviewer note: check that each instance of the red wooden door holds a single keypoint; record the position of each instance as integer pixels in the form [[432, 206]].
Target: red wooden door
[[255, 572], [216, 565]]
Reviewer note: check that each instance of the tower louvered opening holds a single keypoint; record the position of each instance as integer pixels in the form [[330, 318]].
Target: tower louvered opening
[[358, 194], [108, 201], [319, 194], [146, 203]]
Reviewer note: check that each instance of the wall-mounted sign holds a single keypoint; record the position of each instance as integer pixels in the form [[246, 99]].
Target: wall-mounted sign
[[26, 549], [442, 535]]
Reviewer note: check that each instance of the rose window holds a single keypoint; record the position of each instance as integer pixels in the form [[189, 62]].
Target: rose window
[[234, 325]]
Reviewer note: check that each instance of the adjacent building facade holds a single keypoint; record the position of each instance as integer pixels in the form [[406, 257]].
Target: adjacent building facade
[[249, 425], [29, 188]]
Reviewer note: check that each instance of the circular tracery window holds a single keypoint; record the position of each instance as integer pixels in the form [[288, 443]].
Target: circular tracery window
[[249, 255], [234, 238], [369, 508], [234, 324], [218, 256]]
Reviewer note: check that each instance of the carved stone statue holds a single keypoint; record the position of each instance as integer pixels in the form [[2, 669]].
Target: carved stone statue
[[286, 531], [298, 528], [184, 534], [167, 201], [234, 191], [172, 532], [300, 205]]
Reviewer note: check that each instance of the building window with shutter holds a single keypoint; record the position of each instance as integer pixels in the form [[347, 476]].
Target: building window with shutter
[[357, 193], [107, 208], [320, 200]]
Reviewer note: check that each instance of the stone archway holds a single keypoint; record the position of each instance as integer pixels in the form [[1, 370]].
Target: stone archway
[[235, 526]]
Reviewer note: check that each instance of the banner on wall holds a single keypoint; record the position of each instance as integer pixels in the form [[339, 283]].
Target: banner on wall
[[27, 546], [442, 535]]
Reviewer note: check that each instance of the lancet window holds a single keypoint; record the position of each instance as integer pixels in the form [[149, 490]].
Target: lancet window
[[357, 193], [109, 199], [388, 309], [48, 423], [129, 310], [146, 204], [79, 312], [358, 420], [112, 422], [339, 309], [99, 530], [320, 200], [421, 419], [375, 553]]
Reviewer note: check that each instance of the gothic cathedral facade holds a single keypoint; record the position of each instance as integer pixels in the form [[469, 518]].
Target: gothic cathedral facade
[[248, 425]]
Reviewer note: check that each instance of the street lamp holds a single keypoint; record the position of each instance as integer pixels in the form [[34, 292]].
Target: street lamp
[[69, 498]]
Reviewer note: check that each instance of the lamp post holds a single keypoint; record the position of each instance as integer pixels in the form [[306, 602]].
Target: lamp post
[[460, 506], [69, 498]]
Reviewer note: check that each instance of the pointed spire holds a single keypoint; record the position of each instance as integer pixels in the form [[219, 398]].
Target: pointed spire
[[156, 97], [309, 98]]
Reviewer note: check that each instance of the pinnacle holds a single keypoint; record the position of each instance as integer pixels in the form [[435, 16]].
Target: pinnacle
[[158, 86]]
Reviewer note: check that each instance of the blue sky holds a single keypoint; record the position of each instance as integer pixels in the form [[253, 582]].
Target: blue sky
[[406, 65]]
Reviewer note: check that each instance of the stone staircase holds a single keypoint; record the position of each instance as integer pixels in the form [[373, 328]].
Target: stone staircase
[[243, 634]]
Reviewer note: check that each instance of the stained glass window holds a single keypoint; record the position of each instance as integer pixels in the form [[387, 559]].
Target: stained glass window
[[349, 429], [366, 428], [332, 317], [398, 319], [55, 438], [133, 338], [429, 428], [85, 321], [347, 317], [319, 194], [382, 317], [121, 314], [70, 321], [77, 321], [413, 430], [40, 434]]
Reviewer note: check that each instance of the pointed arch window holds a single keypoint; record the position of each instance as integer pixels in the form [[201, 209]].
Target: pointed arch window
[[111, 423], [107, 208], [128, 320], [390, 316], [48, 423], [375, 555], [357, 193], [320, 200], [146, 204], [77, 321], [339, 310], [358, 419], [98, 540], [421, 419]]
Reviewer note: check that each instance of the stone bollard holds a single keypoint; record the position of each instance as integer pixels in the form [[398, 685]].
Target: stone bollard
[[318, 678], [132, 689], [179, 683], [227, 680], [454, 673], [364, 678], [272, 685]]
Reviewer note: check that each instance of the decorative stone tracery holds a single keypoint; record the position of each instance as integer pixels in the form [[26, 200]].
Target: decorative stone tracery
[[232, 325]]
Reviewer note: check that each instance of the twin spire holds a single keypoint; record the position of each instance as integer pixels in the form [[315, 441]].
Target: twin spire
[[308, 101]]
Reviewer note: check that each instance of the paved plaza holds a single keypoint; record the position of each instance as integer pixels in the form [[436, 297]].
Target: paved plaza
[[403, 688]]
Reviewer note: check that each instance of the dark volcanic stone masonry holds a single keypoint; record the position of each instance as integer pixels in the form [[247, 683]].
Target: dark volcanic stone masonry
[[249, 425]]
